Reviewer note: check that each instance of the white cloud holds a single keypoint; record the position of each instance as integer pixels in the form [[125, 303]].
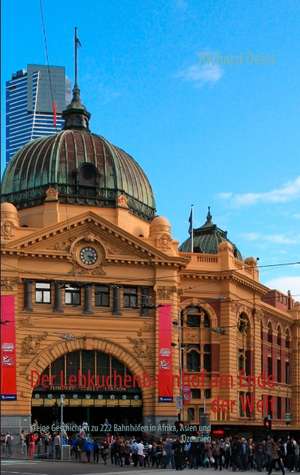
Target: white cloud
[[204, 71], [287, 192], [273, 238], [286, 283], [296, 215]]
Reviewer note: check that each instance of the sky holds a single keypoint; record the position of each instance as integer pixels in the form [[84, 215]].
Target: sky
[[205, 95]]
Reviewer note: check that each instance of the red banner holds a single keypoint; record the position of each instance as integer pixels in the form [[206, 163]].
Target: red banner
[[8, 349], [165, 377]]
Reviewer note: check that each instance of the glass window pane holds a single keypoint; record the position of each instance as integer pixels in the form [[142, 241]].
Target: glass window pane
[[88, 362], [73, 363], [47, 295], [67, 297], [103, 364], [193, 321], [42, 285], [38, 296], [76, 298]]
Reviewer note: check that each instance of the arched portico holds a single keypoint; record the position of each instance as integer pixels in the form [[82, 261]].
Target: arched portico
[[55, 352]]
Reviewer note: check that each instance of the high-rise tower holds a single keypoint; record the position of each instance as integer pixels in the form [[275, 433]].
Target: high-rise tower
[[33, 97]]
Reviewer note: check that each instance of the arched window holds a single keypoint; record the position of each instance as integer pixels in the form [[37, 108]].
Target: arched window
[[243, 323], [197, 316], [193, 361], [86, 178], [242, 362], [287, 339], [279, 335], [270, 333]]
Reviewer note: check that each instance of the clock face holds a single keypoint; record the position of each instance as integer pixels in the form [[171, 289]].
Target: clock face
[[88, 255]]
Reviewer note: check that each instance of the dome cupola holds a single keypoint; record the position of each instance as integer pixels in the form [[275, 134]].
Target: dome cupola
[[84, 168], [207, 239]]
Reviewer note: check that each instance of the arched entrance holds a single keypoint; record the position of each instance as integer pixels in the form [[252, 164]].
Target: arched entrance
[[87, 385]]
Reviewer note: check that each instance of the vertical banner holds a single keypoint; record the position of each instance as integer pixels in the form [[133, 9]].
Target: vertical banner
[[165, 376], [8, 349]]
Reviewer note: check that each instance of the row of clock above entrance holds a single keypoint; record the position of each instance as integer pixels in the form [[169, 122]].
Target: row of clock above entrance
[[89, 297]]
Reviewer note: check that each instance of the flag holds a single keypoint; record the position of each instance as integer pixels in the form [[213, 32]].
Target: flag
[[191, 222], [54, 113], [77, 40]]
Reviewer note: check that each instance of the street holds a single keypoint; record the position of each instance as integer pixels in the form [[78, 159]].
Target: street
[[28, 467]]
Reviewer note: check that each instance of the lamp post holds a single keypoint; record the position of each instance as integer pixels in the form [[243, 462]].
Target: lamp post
[[61, 412]]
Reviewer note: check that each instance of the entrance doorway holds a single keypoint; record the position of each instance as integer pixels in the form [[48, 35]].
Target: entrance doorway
[[87, 386]]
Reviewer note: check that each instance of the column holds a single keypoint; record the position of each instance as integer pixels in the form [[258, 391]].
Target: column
[[116, 300], [28, 295], [57, 307], [88, 307]]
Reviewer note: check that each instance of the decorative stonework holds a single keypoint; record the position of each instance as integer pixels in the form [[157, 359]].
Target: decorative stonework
[[122, 202], [9, 284], [165, 293], [51, 194], [31, 344], [7, 230], [63, 245], [164, 242], [78, 269], [141, 348]]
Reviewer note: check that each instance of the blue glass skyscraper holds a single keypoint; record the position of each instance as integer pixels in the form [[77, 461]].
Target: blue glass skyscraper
[[31, 97]]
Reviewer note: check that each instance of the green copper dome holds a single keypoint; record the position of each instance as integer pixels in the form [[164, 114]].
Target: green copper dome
[[85, 168], [207, 239]]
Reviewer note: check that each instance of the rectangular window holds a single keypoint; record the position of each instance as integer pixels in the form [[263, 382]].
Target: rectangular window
[[130, 297], [43, 292], [196, 393], [287, 373], [72, 295], [279, 371], [102, 296], [278, 407], [191, 414], [207, 358], [270, 366], [207, 393]]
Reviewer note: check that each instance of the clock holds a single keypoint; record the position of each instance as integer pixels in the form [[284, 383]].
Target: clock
[[88, 255]]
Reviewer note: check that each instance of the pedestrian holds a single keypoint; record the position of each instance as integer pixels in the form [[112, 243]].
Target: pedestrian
[[178, 454], [96, 450], [57, 445], [23, 443], [276, 457], [8, 444]]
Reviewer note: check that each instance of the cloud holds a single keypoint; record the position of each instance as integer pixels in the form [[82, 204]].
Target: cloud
[[202, 72], [296, 215], [286, 283], [287, 192], [273, 238]]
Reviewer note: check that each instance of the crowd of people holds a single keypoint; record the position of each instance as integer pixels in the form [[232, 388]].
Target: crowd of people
[[235, 453]]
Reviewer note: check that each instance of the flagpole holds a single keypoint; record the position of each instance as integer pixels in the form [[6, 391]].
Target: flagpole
[[192, 233], [76, 47]]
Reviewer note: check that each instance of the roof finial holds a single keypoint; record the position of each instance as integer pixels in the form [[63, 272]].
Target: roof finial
[[76, 116], [209, 217]]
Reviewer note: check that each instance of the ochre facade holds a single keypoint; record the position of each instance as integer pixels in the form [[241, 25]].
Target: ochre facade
[[144, 255], [90, 266]]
